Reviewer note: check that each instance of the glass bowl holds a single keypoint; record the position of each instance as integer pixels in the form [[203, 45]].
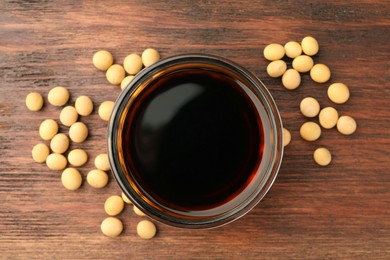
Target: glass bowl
[[124, 125]]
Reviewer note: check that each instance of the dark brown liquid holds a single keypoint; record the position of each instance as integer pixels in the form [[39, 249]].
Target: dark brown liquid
[[195, 141]]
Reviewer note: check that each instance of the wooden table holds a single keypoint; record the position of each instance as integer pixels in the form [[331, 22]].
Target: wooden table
[[337, 212]]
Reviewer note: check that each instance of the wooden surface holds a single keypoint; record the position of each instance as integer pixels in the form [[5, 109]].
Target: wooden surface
[[337, 212]]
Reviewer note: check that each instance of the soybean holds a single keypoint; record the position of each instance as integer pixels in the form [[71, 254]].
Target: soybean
[[322, 156], [338, 93], [132, 64], [310, 131], [276, 68], [293, 49], [346, 125], [68, 116], [102, 162], [303, 63], [71, 179], [150, 56], [48, 129], [34, 101], [320, 73], [78, 132], [102, 60], [56, 162], [84, 106], [40, 152], [125, 198], [77, 157], [58, 96], [59, 143], [105, 110], [114, 205], [291, 79], [115, 74], [310, 46], [286, 137], [274, 51], [97, 178], [146, 229], [126, 81], [111, 227], [309, 107], [138, 211], [328, 117]]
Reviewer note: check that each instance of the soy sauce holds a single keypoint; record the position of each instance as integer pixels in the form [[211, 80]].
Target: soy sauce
[[195, 140]]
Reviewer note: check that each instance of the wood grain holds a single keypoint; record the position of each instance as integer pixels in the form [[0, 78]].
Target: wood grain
[[336, 212]]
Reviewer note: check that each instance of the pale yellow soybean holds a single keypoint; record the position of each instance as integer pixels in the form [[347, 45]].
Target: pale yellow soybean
[[78, 132], [320, 73], [111, 227], [114, 205], [138, 211], [126, 81], [115, 74], [102, 60], [274, 51], [77, 157], [150, 56], [48, 129], [40, 152], [59, 143], [84, 106], [102, 162], [286, 137], [56, 162], [126, 199], [71, 179], [310, 46], [322, 156], [132, 63], [34, 101], [58, 96], [309, 107], [303, 63], [328, 117], [146, 229], [310, 131], [293, 49], [276, 68], [68, 116], [291, 79], [105, 110], [338, 93], [346, 125], [97, 178]]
